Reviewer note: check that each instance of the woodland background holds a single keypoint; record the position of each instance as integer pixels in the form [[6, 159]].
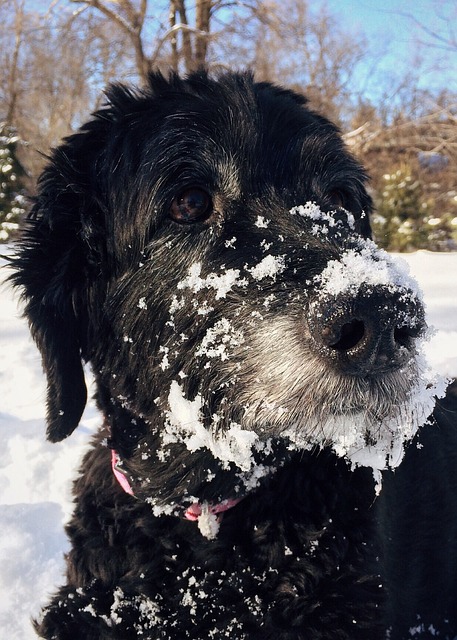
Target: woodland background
[[56, 57]]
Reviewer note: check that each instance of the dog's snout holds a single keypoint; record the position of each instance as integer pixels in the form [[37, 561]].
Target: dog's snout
[[371, 333]]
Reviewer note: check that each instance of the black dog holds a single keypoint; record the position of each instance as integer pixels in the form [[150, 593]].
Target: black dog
[[254, 353]]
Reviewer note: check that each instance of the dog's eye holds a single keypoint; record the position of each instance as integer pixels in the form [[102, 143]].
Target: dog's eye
[[192, 205]]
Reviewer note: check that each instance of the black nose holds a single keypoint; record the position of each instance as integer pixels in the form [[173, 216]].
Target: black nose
[[371, 333]]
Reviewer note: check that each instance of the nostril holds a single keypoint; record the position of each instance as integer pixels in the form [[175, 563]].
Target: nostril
[[402, 336], [350, 334]]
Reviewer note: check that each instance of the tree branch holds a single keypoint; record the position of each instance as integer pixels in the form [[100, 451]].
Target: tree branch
[[175, 29], [112, 15]]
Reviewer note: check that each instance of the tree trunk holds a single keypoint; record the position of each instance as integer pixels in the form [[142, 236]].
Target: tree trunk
[[12, 76], [185, 34], [174, 39], [203, 17]]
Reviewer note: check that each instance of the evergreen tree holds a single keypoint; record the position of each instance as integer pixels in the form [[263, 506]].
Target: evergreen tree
[[403, 221], [12, 198]]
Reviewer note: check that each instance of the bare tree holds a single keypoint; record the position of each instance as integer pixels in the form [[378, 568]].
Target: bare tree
[[13, 72], [52, 69], [442, 35], [10, 62], [310, 51], [129, 16]]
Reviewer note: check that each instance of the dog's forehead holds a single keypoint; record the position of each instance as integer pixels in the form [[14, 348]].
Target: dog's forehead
[[234, 113], [235, 127]]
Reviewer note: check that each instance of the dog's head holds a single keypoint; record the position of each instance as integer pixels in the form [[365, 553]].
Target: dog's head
[[204, 244]]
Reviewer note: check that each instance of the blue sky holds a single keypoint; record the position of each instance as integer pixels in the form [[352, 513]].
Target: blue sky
[[392, 36], [396, 36]]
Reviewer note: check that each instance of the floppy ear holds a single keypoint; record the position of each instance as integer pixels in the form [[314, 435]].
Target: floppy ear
[[52, 268]]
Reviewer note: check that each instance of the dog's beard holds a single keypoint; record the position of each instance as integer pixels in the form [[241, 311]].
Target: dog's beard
[[292, 392], [280, 389]]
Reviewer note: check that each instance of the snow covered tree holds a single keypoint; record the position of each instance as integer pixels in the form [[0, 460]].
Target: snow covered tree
[[12, 199]]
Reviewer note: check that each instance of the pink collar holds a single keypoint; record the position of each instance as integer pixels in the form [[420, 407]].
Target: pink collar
[[191, 513], [195, 510], [119, 473]]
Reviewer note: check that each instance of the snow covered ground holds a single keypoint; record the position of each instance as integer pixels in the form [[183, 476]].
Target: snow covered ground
[[35, 476]]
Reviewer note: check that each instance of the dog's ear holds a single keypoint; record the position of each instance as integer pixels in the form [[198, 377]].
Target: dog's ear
[[54, 269]]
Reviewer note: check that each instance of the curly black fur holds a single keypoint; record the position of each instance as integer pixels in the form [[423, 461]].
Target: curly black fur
[[101, 264], [289, 562]]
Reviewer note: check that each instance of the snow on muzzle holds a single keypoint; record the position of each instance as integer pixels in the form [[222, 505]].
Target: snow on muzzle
[[367, 313], [366, 317]]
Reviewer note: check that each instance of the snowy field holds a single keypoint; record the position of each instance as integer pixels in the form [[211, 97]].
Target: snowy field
[[35, 476]]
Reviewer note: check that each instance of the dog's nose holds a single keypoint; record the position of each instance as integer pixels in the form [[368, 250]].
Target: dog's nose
[[371, 333]]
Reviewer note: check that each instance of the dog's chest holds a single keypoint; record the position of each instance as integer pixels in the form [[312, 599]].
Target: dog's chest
[[278, 561]]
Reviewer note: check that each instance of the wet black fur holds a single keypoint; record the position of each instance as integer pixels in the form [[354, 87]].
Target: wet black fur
[[299, 558]]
